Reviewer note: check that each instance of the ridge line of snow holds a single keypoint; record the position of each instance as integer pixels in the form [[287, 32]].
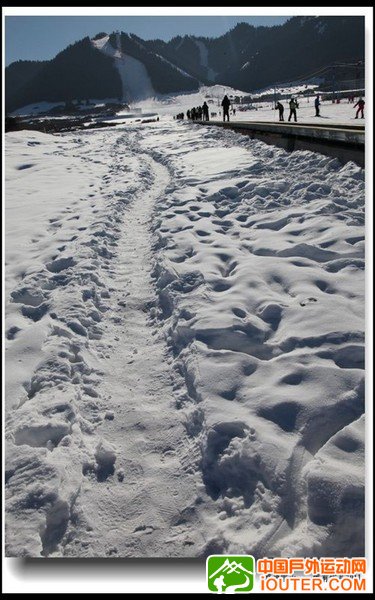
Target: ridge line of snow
[[174, 66]]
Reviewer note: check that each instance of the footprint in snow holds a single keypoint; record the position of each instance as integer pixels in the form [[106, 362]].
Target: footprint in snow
[[307, 301]]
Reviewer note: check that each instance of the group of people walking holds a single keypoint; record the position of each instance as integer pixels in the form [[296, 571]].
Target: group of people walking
[[293, 105], [199, 113]]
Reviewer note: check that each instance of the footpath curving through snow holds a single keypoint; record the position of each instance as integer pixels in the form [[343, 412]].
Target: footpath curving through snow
[[185, 345]]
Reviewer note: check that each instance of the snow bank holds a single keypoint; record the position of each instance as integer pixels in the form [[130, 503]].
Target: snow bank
[[261, 286], [55, 299]]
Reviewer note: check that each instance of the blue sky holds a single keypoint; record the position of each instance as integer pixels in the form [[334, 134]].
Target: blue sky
[[41, 38]]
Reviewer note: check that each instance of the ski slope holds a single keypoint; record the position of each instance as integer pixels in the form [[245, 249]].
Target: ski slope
[[184, 346], [203, 54], [136, 83]]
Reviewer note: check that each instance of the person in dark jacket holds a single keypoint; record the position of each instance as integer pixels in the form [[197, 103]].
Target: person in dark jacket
[[280, 108], [205, 112], [225, 104], [360, 109], [293, 105], [317, 105]]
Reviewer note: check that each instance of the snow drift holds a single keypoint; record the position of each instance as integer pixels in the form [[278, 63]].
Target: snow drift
[[185, 342]]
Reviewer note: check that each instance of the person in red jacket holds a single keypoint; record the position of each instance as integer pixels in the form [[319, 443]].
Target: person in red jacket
[[360, 109]]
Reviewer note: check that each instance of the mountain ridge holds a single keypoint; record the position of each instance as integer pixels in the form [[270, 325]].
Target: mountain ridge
[[246, 58]]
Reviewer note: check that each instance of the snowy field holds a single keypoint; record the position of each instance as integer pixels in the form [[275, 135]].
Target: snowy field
[[330, 113], [168, 106], [184, 346]]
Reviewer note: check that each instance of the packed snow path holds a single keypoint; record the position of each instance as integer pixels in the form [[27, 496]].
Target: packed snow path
[[137, 512], [184, 346]]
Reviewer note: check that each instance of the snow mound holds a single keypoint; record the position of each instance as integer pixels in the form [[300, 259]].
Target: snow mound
[[261, 289]]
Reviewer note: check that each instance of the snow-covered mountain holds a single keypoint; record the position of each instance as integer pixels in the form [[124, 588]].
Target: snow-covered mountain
[[125, 67]]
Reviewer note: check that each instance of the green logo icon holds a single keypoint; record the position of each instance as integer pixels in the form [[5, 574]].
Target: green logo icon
[[227, 574]]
